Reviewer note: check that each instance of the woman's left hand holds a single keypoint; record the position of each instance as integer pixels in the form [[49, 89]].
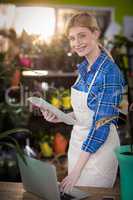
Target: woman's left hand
[[68, 182]]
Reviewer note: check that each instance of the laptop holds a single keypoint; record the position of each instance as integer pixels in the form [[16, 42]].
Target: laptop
[[39, 178]]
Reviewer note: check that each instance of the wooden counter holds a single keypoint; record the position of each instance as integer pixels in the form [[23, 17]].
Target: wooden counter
[[15, 191]]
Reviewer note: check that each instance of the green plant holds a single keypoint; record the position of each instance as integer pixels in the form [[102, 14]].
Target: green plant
[[122, 54], [130, 109], [7, 139]]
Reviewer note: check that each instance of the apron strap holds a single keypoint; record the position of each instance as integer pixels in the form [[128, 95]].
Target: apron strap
[[94, 78]]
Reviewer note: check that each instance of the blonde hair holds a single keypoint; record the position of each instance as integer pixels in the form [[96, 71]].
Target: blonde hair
[[82, 19], [107, 52]]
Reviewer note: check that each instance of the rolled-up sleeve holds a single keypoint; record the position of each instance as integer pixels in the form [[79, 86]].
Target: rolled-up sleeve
[[108, 101]]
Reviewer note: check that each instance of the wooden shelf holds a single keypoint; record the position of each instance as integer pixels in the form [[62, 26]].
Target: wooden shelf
[[48, 73]]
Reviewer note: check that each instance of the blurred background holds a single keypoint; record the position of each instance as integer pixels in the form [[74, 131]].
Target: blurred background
[[36, 60]]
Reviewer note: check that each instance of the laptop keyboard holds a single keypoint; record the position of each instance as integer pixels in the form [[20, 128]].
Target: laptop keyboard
[[66, 196]]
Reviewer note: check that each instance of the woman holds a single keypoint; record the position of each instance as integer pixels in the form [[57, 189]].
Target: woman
[[95, 98]]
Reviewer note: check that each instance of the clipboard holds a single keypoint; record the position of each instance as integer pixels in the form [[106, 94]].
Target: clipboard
[[42, 103]]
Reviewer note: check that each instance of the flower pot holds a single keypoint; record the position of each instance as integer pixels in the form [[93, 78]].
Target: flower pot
[[126, 172]]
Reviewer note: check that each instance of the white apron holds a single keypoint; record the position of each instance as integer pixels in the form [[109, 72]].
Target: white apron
[[101, 168]]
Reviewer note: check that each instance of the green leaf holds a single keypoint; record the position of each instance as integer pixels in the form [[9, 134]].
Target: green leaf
[[12, 131], [16, 147]]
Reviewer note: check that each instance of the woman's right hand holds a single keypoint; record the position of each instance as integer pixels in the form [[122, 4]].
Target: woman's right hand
[[49, 116]]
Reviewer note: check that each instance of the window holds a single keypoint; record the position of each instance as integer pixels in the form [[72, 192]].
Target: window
[[46, 21]]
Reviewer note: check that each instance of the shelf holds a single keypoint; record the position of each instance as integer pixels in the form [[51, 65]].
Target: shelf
[[48, 73]]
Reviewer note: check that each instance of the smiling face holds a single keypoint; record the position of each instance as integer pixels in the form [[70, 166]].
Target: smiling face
[[82, 40]]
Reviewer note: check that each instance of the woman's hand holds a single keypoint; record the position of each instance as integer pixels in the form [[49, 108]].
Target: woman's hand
[[71, 114], [49, 116], [69, 182]]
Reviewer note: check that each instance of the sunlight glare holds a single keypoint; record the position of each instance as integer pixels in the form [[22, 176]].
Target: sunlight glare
[[35, 20]]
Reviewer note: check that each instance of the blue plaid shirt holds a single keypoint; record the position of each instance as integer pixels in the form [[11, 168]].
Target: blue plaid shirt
[[104, 97]]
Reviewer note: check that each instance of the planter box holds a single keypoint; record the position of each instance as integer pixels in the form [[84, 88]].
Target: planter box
[[126, 172]]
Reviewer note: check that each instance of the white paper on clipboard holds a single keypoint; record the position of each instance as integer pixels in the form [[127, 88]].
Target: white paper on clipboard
[[41, 103]]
